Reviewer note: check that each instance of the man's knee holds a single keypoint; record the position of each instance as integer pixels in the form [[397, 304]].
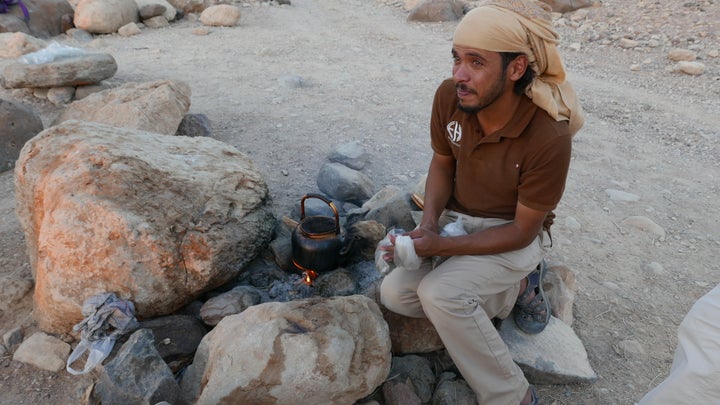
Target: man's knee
[[388, 296], [400, 297], [433, 292], [392, 296]]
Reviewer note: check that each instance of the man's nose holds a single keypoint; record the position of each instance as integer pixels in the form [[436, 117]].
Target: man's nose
[[460, 73]]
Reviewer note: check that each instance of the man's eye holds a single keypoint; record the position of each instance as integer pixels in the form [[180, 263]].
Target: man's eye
[[477, 62]]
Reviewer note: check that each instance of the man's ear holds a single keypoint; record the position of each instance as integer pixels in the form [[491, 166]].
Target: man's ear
[[517, 67]]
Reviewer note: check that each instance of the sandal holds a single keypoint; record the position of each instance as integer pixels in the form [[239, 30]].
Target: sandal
[[534, 396], [532, 308]]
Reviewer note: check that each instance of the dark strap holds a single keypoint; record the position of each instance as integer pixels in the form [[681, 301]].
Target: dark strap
[[5, 6]]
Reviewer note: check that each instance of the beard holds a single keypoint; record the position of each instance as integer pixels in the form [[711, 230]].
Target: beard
[[493, 93]]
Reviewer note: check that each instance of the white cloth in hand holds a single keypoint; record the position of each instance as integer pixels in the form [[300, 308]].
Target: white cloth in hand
[[405, 255]]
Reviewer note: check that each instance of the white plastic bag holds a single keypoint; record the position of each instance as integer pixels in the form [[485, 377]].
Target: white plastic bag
[[51, 53], [454, 228], [107, 317], [98, 351]]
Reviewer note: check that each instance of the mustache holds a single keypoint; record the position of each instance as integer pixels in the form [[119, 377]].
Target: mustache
[[464, 87]]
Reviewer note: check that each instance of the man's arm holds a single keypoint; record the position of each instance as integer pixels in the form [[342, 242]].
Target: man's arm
[[505, 238], [438, 189]]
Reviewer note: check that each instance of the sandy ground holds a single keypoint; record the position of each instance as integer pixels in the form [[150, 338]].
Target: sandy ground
[[368, 75]]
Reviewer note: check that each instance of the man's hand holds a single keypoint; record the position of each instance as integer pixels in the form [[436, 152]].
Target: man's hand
[[425, 241], [499, 239], [389, 249]]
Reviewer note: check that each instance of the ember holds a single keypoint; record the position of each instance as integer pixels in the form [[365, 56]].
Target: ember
[[291, 288], [309, 276]]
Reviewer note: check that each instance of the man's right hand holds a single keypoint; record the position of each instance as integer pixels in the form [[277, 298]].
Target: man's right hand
[[425, 241]]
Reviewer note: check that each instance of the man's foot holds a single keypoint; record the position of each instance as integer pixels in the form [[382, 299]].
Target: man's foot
[[532, 309]]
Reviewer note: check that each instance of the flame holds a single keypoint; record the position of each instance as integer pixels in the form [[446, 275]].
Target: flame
[[309, 276]]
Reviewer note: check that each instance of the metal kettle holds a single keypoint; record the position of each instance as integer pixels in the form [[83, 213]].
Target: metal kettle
[[317, 241]]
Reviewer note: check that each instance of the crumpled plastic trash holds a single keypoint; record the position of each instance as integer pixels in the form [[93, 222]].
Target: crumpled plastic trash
[[51, 53], [454, 228], [107, 317]]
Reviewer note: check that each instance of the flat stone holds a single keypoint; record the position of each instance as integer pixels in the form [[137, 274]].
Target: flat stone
[[44, 352], [554, 356], [79, 70]]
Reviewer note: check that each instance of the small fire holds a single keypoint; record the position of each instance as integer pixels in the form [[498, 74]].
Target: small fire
[[309, 276]]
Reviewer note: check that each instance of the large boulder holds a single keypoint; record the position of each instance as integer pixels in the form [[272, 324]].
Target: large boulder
[[157, 106], [314, 351], [105, 16], [156, 219]]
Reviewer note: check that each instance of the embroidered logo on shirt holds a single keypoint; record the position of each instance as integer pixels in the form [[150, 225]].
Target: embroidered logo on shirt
[[454, 132]]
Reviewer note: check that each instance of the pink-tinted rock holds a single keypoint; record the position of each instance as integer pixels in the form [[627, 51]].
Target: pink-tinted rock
[[314, 351], [156, 219], [105, 16], [157, 106]]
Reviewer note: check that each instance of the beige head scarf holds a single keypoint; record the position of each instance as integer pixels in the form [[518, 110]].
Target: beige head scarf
[[525, 26]]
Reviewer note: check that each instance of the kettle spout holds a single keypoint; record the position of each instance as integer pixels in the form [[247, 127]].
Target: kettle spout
[[347, 245]]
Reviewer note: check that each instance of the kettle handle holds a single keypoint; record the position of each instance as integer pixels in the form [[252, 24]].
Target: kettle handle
[[328, 202]]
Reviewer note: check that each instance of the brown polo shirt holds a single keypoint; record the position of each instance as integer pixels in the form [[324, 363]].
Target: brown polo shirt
[[526, 161]]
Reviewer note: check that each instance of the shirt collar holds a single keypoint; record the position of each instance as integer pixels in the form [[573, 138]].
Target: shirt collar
[[516, 126]]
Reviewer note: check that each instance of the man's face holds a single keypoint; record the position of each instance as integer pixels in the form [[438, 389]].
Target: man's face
[[479, 77]]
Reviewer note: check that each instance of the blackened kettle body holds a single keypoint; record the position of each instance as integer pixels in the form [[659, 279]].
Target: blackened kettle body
[[317, 240]]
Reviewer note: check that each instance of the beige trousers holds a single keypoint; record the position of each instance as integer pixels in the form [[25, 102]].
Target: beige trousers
[[695, 374], [460, 296]]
